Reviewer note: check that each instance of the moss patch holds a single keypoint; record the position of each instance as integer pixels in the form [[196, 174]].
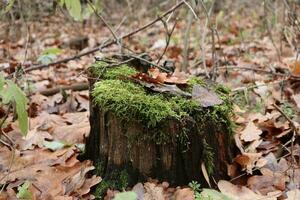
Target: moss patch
[[105, 70], [117, 179], [129, 100]]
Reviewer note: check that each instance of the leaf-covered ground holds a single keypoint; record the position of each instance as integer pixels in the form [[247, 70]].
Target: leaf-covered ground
[[255, 58]]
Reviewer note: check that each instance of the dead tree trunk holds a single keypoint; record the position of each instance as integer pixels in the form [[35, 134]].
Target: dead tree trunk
[[125, 143]]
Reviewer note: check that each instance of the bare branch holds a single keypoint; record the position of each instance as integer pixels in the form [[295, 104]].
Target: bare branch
[[108, 42]]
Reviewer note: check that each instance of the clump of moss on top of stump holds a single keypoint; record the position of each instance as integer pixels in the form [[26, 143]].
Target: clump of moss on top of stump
[[129, 100]]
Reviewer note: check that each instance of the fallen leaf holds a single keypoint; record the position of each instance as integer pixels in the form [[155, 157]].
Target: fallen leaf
[[54, 145], [205, 174], [296, 68], [248, 160], [184, 194], [157, 75], [34, 138], [293, 194], [267, 183], [251, 132], [296, 98], [165, 88], [139, 190], [153, 192], [126, 196], [241, 193], [88, 183], [205, 97], [213, 194]]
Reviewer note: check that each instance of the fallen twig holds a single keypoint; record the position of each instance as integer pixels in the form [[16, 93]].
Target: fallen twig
[[294, 129], [168, 38], [73, 87]]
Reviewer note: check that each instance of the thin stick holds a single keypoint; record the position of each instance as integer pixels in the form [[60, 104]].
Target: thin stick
[[292, 123], [108, 42], [269, 31], [204, 32], [149, 62], [168, 38], [104, 21], [186, 42], [213, 55], [191, 9], [294, 128], [253, 69], [73, 87]]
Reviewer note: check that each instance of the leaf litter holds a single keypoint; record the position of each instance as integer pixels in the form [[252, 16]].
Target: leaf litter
[[266, 166]]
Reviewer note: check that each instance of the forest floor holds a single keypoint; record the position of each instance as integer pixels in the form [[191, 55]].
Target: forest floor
[[259, 66]]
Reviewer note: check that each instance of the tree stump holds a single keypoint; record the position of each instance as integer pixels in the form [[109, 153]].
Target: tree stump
[[137, 133]]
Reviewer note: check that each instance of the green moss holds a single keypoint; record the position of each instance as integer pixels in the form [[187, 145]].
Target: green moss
[[195, 80], [120, 184], [208, 156], [118, 179], [111, 71], [132, 102]]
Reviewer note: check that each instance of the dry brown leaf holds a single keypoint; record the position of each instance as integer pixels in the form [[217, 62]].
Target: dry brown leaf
[[251, 132], [205, 174], [240, 192], [34, 138], [296, 98], [74, 183], [153, 192], [88, 183], [139, 190], [248, 160], [27, 164], [74, 133], [267, 183], [205, 97], [238, 143], [296, 68], [176, 78], [252, 147], [62, 181], [293, 194], [184, 194]]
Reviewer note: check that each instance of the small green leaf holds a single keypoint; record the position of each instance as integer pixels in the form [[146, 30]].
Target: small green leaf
[[74, 9], [46, 59], [23, 192], [208, 194], [54, 145], [9, 6], [80, 146], [2, 81], [19, 97], [126, 196], [53, 50]]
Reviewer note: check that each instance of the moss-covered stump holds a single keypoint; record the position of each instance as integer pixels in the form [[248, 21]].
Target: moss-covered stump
[[137, 133]]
